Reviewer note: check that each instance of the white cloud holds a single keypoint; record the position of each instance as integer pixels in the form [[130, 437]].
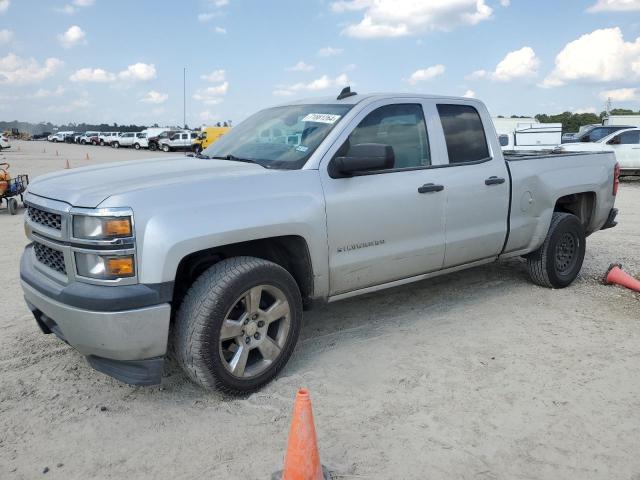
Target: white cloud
[[396, 18], [599, 56], [220, 3], [301, 67], [215, 76], [426, 74], [138, 72], [71, 8], [329, 51], [469, 94], [505, 3], [44, 93], [585, 110], [5, 36], [208, 116], [73, 36], [220, 30], [4, 5], [322, 83], [96, 75], [621, 95], [614, 6], [517, 64], [521, 63], [155, 97], [15, 70], [205, 17], [211, 95]]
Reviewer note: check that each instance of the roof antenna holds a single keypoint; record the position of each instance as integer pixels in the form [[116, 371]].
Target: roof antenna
[[345, 93]]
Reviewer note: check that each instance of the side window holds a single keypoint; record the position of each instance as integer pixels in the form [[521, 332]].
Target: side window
[[185, 136], [598, 133], [401, 126], [629, 138], [463, 133]]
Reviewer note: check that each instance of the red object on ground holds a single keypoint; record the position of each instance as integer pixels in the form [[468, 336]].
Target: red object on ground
[[302, 460], [615, 276]]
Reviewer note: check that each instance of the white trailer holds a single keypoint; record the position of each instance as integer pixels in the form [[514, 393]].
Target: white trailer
[[527, 134], [630, 120]]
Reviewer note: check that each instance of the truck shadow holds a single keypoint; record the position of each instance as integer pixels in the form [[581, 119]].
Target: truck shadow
[[331, 326]]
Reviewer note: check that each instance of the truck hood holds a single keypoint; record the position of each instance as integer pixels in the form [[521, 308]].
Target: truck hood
[[90, 186]]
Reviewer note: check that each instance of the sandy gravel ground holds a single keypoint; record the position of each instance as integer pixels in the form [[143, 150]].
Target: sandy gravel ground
[[478, 375]]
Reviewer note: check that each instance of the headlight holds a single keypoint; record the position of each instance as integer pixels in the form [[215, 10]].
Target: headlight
[[101, 228], [105, 267]]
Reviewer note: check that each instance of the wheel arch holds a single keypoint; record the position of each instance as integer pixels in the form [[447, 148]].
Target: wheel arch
[[582, 205], [291, 252]]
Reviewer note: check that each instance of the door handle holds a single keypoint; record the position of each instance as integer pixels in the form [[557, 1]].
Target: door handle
[[494, 181], [430, 187]]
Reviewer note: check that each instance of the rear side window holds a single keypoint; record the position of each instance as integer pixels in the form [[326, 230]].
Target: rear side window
[[463, 133]]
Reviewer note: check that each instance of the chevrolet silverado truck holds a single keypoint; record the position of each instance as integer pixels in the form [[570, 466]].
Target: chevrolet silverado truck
[[315, 200]]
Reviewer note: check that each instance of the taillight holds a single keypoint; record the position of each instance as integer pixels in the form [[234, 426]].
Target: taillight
[[616, 179]]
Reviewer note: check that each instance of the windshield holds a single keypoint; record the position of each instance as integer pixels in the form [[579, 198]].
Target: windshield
[[280, 137]]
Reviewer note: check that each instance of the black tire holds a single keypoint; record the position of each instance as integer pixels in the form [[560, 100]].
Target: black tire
[[153, 147], [115, 144], [137, 146], [12, 204], [557, 263], [102, 143], [197, 329], [166, 148]]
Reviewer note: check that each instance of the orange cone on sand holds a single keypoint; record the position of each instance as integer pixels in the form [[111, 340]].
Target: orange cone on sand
[[302, 460], [66, 164], [615, 276]]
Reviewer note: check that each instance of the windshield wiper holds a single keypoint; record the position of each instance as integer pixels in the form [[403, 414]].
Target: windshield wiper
[[233, 158]]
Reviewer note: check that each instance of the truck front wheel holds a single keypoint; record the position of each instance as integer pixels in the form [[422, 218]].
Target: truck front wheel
[[238, 324], [557, 263]]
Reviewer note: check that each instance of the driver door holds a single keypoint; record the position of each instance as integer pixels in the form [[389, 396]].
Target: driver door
[[384, 225]]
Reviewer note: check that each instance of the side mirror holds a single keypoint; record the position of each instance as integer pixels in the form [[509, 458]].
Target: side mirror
[[504, 140], [586, 139], [363, 157]]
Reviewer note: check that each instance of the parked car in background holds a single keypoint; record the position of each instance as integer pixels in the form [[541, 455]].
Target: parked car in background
[[88, 137], [354, 195], [154, 142], [178, 141], [136, 140], [595, 133], [4, 142], [105, 137], [625, 144], [41, 136], [60, 136], [207, 136]]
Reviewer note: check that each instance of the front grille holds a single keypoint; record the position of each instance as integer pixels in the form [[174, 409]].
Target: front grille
[[54, 259], [46, 219]]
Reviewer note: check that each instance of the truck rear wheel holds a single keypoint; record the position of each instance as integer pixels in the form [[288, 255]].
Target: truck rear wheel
[[238, 324], [557, 263]]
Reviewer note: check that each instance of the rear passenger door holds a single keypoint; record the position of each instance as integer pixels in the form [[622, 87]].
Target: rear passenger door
[[477, 186]]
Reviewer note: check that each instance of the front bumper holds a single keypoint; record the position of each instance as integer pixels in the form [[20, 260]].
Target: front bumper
[[128, 343]]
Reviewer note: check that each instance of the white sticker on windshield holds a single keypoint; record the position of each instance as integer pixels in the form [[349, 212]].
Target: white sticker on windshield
[[321, 118]]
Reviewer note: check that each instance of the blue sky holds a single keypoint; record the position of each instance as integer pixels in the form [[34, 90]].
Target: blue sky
[[121, 61]]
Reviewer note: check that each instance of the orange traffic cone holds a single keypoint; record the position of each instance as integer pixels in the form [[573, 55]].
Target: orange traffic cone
[[302, 460], [66, 165], [615, 276], [86, 157]]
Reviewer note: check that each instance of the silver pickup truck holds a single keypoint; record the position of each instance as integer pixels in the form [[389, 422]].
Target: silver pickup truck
[[316, 200]]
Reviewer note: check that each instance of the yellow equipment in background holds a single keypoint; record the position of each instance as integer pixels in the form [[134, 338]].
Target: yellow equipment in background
[[207, 136]]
